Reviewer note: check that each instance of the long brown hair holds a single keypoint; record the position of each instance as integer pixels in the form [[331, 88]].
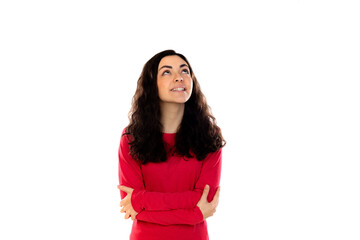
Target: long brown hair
[[198, 134]]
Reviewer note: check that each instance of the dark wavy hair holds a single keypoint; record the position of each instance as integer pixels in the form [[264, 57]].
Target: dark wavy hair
[[197, 136]]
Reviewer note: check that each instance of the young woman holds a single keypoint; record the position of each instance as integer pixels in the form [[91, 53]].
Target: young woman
[[169, 154]]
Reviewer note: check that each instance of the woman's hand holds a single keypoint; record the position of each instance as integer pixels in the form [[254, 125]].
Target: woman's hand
[[208, 208], [126, 203]]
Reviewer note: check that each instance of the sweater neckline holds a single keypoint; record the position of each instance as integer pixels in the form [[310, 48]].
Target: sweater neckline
[[169, 133], [169, 138]]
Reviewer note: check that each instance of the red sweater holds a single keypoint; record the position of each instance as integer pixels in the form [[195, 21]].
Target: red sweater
[[165, 194]]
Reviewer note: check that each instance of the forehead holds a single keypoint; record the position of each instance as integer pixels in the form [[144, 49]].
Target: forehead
[[173, 60]]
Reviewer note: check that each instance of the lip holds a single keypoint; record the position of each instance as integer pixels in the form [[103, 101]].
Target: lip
[[172, 89]]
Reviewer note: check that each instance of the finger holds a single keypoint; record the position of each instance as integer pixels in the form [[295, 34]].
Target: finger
[[127, 215], [125, 189], [126, 209], [124, 201], [132, 217], [205, 193], [217, 194], [122, 210], [215, 200]]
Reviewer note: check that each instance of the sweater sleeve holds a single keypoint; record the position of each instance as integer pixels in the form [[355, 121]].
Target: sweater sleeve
[[178, 216], [158, 201], [129, 170]]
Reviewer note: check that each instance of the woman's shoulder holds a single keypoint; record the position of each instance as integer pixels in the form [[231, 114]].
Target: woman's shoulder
[[125, 136], [214, 156]]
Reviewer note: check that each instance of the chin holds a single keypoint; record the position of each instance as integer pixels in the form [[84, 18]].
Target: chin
[[175, 101]]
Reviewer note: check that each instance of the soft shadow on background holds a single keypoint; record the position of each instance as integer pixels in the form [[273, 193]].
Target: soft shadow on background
[[282, 78]]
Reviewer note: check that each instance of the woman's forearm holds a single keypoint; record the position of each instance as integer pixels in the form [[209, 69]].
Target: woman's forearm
[[179, 216], [159, 201]]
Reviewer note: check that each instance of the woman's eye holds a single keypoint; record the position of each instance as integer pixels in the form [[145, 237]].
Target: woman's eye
[[166, 72], [185, 71]]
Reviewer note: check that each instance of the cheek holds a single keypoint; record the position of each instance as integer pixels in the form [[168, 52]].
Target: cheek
[[159, 85], [190, 86], [161, 88]]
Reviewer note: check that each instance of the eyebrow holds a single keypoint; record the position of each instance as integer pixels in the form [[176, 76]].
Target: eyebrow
[[167, 66]]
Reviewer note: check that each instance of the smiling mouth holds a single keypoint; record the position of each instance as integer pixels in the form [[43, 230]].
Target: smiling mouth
[[177, 89]]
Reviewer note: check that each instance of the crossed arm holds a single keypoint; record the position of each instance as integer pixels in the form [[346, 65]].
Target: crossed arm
[[190, 207], [179, 216]]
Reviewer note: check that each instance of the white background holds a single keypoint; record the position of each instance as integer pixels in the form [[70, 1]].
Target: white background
[[282, 78]]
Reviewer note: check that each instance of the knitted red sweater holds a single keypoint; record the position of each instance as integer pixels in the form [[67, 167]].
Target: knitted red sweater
[[165, 194]]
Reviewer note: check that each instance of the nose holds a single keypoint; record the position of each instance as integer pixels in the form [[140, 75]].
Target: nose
[[178, 78]]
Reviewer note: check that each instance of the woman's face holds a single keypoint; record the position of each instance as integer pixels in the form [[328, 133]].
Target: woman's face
[[174, 80]]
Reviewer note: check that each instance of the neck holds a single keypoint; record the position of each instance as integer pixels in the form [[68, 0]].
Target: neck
[[171, 116]]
